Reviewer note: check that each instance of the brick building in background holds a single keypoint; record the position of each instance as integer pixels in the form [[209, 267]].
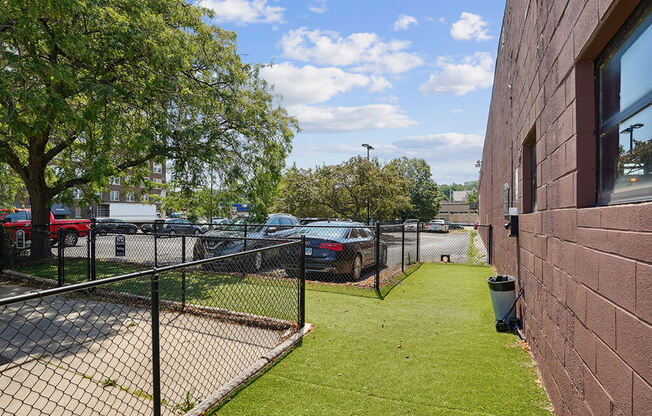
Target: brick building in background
[[569, 145]]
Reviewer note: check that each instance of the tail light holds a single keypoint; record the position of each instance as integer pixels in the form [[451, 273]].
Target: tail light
[[331, 246]]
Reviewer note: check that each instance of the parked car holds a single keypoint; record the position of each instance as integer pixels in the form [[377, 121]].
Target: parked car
[[304, 221], [344, 248], [411, 224], [216, 221], [174, 226], [437, 226], [114, 226], [21, 219], [222, 242], [148, 227], [453, 226]]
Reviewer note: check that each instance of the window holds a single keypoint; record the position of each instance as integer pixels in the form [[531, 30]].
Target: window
[[157, 168], [129, 197], [114, 181], [16, 216], [114, 196], [77, 194], [144, 198], [99, 194], [529, 173], [624, 116], [158, 181]]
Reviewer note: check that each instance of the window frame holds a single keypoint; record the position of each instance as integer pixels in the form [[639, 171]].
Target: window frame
[[634, 25], [111, 193]]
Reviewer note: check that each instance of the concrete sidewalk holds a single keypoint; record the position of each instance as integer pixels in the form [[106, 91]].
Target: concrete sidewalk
[[72, 355]]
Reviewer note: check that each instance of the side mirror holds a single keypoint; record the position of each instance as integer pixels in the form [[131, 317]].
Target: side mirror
[[271, 230]]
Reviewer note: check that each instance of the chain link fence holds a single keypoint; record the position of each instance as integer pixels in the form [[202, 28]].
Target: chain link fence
[[340, 255], [160, 340]]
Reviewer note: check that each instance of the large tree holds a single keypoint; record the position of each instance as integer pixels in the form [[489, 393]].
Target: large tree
[[343, 191], [422, 189], [98, 88]]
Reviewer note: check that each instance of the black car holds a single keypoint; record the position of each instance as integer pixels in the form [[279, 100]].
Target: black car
[[114, 226], [224, 241], [341, 247], [148, 227], [174, 226], [453, 226]]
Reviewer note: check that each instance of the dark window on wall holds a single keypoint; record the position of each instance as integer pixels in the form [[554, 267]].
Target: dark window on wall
[[529, 155], [624, 112]]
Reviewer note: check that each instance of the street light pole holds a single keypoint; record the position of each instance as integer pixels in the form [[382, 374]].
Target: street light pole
[[630, 130], [369, 147]]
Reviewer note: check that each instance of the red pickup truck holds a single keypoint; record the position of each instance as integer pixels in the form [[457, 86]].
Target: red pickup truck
[[22, 219]]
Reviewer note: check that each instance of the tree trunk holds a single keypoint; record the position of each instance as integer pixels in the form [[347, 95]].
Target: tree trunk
[[40, 203]]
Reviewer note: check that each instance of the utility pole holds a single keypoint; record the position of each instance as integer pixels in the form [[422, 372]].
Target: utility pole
[[369, 147]]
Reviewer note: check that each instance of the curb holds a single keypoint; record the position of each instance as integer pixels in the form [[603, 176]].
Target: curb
[[264, 361]]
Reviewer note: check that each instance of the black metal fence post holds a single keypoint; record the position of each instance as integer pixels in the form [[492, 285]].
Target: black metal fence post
[[403, 247], [418, 240], [245, 237], [490, 244], [60, 254], [156, 347], [88, 255], [377, 250], [302, 283], [155, 244], [93, 235], [183, 273]]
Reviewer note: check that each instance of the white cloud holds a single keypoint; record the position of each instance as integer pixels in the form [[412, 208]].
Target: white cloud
[[363, 51], [470, 26], [338, 119], [457, 110], [311, 85], [440, 141], [404, 21], [473, 72], [379, 84], [317, 6], [244, 11]]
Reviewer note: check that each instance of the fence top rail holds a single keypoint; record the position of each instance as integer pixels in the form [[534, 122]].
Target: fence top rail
[[37, 294]]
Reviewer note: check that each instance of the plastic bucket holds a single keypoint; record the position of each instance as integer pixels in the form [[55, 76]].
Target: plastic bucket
[[502, 290]]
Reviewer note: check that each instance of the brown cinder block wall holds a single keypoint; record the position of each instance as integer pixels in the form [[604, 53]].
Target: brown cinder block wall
[[586, 269]]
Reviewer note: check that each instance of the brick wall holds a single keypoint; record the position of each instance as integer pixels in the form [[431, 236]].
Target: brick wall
[[587, 270]]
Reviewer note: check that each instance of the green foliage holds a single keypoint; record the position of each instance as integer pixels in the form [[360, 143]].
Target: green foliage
[[96, 88], [190, 401], [422, 189], [343, 191], [446, 190], [11, 186], [473, 255]]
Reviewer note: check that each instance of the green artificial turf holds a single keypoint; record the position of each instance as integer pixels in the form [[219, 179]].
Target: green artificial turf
[[428, 348]]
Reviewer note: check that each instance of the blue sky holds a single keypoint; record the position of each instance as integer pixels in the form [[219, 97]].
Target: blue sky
[[412, 78]]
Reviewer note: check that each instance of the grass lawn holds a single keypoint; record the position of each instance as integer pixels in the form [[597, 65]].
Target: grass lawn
[[428, 348], [274, 297]]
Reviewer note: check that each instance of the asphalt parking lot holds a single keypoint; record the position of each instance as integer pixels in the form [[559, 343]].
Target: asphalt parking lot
[[140, 248]]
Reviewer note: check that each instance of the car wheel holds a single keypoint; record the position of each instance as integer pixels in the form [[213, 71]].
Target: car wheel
[[356, 268], [70, 239], [173, 233], [131, 231], [197, 232]]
